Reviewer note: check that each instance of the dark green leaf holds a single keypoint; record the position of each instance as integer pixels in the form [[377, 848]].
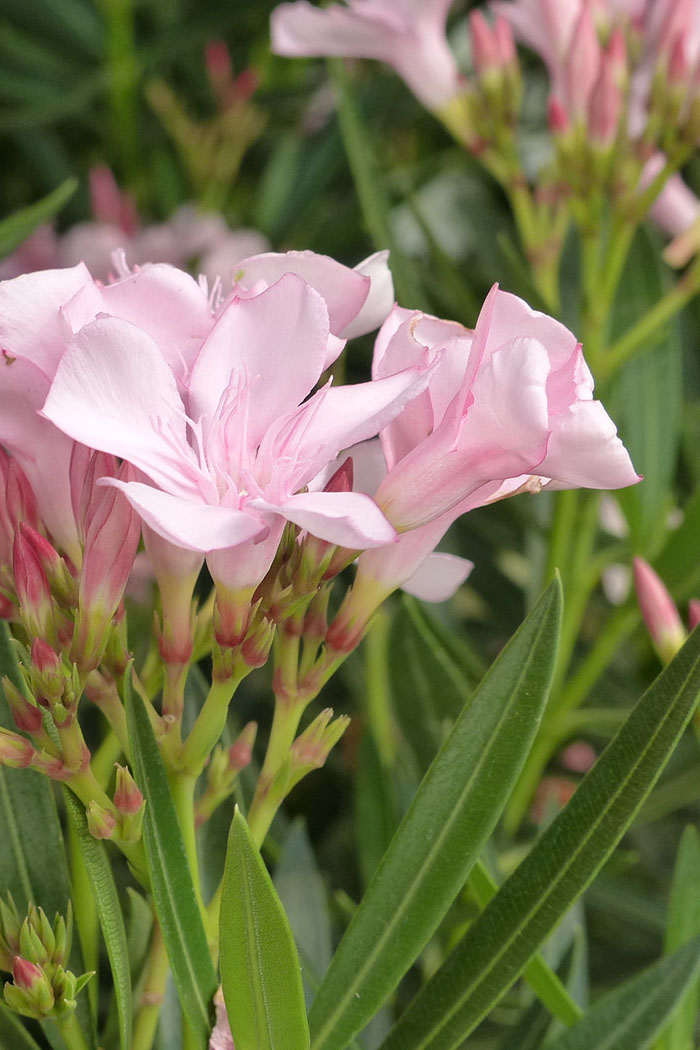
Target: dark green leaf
[[683, 924], [629, 1017], [16, 228], [453, 814], [109, 911], [260, 970], [376, 807], [557, 870], [171, 880]]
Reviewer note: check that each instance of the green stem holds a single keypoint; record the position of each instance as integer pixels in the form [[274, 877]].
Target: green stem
[[210, 722], [85, 913], [285, 723], [544, 982], [72, 1033], [649, 323], [182, 787], [104, 758], [158, 967], [563, 525], [123, 82]]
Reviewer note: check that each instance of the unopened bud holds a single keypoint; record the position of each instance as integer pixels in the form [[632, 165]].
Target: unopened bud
[[31, 994], [60, 579], [240, 753], [659, 612], [101, 823], [33, 591], [127, 797], [311, 749], [26, 715], [15, 751], [693, 613], [256, 648], [46, 672]]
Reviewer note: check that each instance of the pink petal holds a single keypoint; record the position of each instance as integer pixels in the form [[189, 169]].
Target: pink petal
[[30, 318], [344, 290], [584, 450], [344, 416], [380, 299], [195, 526], [114, 392], [275, 341], [348, 519], [438, 577], [41, 450], [167, 304]]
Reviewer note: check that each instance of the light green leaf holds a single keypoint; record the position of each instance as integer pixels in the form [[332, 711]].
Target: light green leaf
[[557, 870], [109, 912], [683, 924], [171, 881], [439, 840], [629, 1017], [16, 228], [303, 895], [260, 970]]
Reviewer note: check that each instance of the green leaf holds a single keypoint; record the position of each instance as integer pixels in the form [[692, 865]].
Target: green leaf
[[303, 895], [439, 840], [647, 398], [376, 807], [16, 228], [683, 924], [629, 1017], [678, 564], [13, 1033], [260, 970], [557, 870], [171, 880], [109, 911]]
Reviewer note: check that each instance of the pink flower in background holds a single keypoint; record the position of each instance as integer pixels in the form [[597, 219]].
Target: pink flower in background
[[226, 458], [408, 35], [510, 401]]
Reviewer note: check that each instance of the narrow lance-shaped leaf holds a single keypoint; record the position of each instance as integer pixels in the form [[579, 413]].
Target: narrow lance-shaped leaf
[[557, 870], [629, 1017], [453, 814], [171, 880], [110, 914], [260, 970], [682, 925], [16, 228]]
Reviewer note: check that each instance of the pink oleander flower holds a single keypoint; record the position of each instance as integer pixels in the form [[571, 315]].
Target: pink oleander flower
[[222, 428], [509, 408], [41, 313], [523, 408], [408, 35]]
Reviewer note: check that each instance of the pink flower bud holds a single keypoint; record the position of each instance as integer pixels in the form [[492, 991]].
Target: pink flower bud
[[240, 753], [48, 677], [57, 573], [505, 42], [109, 204], [20, 500], [659, 611], [678, 62], [218, 65], [15, 751], [86, 468], [26, 715], [27, 975], [127, 797], [101, 823], [342, 480], [557, 117], [693, 613], [605, 107], [32, 588], [485, 50], [256, 647], [578, 757], [582, 66]]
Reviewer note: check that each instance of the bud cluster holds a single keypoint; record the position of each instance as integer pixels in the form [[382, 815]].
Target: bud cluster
[[36, 953]]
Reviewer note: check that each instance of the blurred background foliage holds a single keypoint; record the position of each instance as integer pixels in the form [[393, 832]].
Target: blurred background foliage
[[125, 84]]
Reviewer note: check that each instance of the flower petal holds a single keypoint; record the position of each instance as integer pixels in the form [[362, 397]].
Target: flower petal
[[113, 391], [348, 519], [276, 340], [380, 298], [195, 526], [438, 577], [30, 313]]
